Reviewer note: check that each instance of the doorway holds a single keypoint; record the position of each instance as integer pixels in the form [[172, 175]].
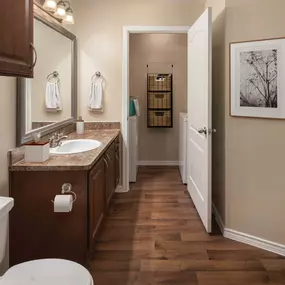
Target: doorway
[[127, 30], [199, 101], [158, 83]]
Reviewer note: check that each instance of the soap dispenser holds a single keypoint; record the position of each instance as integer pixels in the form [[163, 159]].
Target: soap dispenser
[[80, 126]]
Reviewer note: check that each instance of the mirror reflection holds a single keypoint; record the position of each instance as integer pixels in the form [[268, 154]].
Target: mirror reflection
[[49, 93]]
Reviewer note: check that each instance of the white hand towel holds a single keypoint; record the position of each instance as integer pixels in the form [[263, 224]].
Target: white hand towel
[[137, 107], [57, 96], [52, 98], [96, 96]]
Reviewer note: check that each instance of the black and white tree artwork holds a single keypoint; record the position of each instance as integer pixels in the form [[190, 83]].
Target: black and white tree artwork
[[258, 79]]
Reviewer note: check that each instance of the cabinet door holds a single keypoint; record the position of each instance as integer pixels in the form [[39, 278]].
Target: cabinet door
[[117, 161], [96, 200], [110, 173], [117, 167], [16, 38]]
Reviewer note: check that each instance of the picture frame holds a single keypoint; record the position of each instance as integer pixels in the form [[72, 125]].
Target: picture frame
[[257, 79]]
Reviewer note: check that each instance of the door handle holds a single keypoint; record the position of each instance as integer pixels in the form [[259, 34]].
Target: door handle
[[36, 56], [206, 131], [202, 131]]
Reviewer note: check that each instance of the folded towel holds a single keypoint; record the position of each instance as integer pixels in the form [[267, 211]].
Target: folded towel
[[96, 96], [137, 107], [52, 98]]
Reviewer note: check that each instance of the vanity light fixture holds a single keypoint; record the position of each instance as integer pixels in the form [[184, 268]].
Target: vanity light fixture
[[61, 10], [69, 18], [50, 5]]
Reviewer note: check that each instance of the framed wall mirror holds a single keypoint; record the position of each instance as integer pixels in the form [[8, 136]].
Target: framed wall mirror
[[48, 101]]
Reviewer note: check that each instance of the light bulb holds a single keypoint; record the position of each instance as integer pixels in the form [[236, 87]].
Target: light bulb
[[50, 5], [60, 11], [69, 18]]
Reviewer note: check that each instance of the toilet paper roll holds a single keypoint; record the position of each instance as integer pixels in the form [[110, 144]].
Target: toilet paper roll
[[63, 203]]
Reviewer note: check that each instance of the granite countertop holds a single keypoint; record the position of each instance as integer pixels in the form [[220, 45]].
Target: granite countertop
[[79, 161]]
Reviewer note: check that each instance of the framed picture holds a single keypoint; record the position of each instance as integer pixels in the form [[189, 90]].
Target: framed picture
[[257, 79]]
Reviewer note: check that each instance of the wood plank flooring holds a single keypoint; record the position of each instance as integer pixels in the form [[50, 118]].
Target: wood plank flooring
[[153, 236]]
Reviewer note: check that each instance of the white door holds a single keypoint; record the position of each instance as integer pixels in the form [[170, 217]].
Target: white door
[[199, 116]]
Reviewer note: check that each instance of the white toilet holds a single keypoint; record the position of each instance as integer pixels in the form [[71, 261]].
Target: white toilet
[[42, 271]]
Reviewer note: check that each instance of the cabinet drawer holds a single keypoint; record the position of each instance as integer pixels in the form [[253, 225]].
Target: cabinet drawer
[[159, 118], [159, 100]]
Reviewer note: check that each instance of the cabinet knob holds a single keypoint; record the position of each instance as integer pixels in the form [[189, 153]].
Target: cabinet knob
[[36, 55]]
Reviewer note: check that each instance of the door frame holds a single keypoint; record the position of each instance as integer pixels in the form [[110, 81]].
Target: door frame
[[127, 30]]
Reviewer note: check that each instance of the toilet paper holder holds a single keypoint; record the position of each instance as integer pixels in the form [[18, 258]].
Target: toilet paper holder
[[66, 188]]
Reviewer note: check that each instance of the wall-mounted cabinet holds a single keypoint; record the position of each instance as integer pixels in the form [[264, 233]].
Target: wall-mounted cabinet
[[159, 101], [16, 38]]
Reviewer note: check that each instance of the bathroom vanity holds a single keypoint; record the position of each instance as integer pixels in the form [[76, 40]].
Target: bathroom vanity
[[36, 231]]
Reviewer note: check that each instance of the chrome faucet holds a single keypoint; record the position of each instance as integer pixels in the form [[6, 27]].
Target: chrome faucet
[[56, 140]]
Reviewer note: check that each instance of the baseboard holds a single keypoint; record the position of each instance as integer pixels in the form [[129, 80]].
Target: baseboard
[[121, 189], [158, 163], [218, 218], [246, 238], [255, 241]]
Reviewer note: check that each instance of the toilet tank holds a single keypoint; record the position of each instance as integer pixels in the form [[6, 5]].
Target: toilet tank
[[6, 204]]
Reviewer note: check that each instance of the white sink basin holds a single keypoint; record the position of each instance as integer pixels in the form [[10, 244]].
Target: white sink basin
[[75, 146]]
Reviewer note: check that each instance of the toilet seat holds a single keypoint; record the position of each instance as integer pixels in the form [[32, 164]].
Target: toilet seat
[[47, 272]]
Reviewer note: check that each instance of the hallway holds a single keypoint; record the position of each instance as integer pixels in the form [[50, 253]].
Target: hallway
[[153, 235]]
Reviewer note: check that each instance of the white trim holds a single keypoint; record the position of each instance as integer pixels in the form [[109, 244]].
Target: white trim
[[125, 85], [246, 238], [255, 241], [120, 189], [218, 218], [158, 163]]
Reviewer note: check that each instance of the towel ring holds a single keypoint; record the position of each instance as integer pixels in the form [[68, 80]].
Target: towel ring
[[97, 75], [54, 74]]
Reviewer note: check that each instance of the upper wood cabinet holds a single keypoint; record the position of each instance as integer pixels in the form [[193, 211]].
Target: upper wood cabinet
[[16, 38]]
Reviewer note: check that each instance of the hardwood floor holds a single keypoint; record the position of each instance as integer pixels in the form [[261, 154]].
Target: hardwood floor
[[153, 235]]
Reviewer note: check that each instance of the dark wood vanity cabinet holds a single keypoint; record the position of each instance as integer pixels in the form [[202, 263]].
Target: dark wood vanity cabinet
[[109, 160], [96, 199], [36, 231], [117, 162], [16, 38]]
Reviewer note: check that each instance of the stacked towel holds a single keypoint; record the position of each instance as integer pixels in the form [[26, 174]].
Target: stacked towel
[[53, 100], [96, 96]]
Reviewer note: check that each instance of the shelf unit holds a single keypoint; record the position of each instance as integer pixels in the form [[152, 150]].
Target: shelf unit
[[159, 101]]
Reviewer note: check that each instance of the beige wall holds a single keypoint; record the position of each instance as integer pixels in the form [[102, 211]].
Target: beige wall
[[159, 51], [54, 54], [255, 147], [7, 135], [99, 31], [249, 151]]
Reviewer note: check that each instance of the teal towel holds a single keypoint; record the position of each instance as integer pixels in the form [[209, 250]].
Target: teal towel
[[132, 111]]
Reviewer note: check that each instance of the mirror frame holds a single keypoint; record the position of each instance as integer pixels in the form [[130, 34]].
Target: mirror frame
[[21, 136]]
